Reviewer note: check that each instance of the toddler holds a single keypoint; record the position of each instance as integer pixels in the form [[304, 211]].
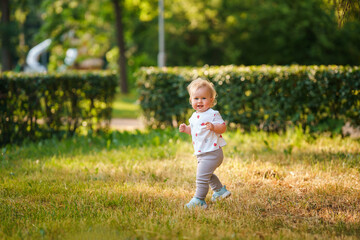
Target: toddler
[[206, 127]]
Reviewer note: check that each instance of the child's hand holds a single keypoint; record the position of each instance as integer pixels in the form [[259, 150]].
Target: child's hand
[[209, 126], [182, 127]]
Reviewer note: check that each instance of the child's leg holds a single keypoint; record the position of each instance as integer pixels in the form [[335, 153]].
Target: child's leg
[[207, 163], [215, 183]]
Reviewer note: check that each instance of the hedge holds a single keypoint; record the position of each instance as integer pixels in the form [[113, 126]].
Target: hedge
[[263, 97], [34, 106]]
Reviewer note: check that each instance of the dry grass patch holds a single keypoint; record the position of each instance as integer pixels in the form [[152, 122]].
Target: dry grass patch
[[290, 186]]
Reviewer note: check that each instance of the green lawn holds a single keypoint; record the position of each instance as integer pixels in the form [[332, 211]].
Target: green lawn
[[134, 185], [126, 106]]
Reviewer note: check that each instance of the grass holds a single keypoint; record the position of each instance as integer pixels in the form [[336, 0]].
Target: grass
[[125, 106], [134, 185]]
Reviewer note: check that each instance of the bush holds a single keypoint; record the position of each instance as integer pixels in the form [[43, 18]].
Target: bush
[[267, 97], [34, 106]]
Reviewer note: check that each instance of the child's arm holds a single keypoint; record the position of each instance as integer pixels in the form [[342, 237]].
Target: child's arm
[[184, 128], [217, 128]]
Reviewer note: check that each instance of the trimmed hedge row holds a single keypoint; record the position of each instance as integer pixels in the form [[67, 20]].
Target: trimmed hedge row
[[34, 106], [265, 97]]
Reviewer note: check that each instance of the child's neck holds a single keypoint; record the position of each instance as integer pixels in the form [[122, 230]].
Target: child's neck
[[203, 111]]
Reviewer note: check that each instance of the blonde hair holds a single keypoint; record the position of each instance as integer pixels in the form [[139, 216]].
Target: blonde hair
[[199, 83]]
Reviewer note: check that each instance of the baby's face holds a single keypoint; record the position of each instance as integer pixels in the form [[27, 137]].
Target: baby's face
[[201, 99]]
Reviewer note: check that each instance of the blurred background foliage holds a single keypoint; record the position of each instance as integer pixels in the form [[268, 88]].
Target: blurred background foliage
[[197, 32]]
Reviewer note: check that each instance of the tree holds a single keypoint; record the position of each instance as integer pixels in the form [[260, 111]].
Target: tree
[[258, 32], [20, 20], [198, 32], [6, 58], [118, 7], [92, 24], [346, 10]]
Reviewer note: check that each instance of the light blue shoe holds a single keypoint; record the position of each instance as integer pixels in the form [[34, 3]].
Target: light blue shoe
[[196, 202], [220, 194]]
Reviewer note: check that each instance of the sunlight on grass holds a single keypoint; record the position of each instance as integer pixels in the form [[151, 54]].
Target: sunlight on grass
[[134, 185], [126, 106]]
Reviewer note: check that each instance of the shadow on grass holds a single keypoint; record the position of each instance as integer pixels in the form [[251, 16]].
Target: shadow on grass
[[82, 145]]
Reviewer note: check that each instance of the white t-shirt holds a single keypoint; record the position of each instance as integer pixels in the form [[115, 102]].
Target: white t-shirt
[[203, 139]]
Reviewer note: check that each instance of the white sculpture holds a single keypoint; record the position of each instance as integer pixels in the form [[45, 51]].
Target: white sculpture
[[71, 55], [32, 59]]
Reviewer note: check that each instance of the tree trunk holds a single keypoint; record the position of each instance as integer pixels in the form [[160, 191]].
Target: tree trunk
[[5, 40], [121, 44]]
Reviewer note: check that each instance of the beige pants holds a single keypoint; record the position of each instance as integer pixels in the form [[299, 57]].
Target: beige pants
[[207, 163]]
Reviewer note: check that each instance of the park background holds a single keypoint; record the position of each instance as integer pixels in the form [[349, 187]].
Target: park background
[[301, 182]]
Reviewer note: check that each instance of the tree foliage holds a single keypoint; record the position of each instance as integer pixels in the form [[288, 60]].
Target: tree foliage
[[259, 32], [197, 32], [346, 10]]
